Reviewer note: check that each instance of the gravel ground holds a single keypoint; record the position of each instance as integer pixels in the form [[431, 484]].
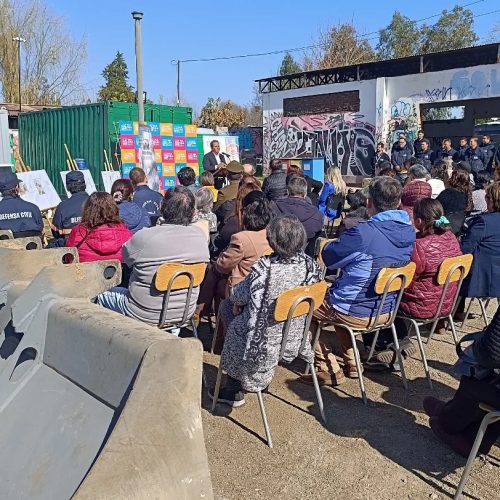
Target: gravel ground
[[384, 450]]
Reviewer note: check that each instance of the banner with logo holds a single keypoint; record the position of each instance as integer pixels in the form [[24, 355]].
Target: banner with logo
[[169, 148]]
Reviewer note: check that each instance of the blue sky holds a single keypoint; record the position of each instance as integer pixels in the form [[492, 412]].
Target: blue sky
[[197, 29]]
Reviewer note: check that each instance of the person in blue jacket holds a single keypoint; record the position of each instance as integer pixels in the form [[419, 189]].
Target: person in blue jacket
[[17, 215], [385, 240], [334, 184], [475, 156], [144, 196], [134, 216], [401, 152]]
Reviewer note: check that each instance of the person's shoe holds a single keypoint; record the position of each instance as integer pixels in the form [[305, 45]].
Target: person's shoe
[[386, 356], [376, 366], [456, 442], [407, 347], [351, 371], [441, 327], [324, 378], [229, 398], [433, 406]]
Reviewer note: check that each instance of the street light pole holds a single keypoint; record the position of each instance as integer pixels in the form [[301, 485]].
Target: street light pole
[[18, 39], [138, 65]]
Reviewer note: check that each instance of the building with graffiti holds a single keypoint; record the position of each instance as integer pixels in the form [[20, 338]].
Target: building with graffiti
[[339, 114]]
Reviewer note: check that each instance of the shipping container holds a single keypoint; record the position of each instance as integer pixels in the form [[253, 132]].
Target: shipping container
[[87, 130]]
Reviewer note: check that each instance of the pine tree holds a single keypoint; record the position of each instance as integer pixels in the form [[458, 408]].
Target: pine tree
[[116, 87], [289, 66]]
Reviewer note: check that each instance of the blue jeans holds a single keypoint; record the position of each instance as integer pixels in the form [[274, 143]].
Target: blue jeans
[[114, 299]]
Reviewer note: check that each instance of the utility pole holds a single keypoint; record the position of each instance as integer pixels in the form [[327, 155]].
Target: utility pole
[[18, 39], [138, 65], [178, 83]]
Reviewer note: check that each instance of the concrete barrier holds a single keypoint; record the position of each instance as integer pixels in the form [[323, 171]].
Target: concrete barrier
[[30, 243]]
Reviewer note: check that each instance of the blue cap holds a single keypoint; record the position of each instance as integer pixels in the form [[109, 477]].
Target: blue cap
[[8, 180]]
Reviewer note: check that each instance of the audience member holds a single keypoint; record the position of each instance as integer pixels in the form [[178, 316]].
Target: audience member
[[144, 196], [69, 212], [384, 240], [173, 239], [333, 187], [415, 189], [101, 232], [17, 215], [357, 210], [456, 422], [387, 172], [249, 179], [187, 178], [229, 192], [274, 185], [425, 155], [249, 169], [253, 341], [479, 205], [204, 218], [439, 178], [134, 216], [379, 157], [313, 186], [296, 204], [207, 180]]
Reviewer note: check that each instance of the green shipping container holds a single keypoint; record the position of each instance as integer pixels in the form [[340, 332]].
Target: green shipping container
[[87, 130]]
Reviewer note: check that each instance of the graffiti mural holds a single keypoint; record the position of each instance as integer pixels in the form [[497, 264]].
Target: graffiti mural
[[343, 140], [403, 120]]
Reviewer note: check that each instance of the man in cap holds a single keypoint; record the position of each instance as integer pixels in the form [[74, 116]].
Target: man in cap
[[69, 212], [234, 174], [144, 196], [21, 217]]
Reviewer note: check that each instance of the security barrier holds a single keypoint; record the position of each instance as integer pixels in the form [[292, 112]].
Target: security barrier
[[29, 243]]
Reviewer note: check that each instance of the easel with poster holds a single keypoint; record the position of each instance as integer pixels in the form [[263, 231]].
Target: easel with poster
[[109, 175], [72, 165]]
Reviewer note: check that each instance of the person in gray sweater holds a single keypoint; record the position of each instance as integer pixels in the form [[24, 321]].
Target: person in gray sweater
[[173, 239]]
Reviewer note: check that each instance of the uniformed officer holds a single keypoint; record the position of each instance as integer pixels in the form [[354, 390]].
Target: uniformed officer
[[234, 175], [69, 212], [144, 196], [21, 217]]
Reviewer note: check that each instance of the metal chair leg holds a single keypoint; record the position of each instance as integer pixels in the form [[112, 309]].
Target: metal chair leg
[[483, 310], [422, 352], [317, 333], [374, 344], [318, 392], [195, 335], [433, 328], [453, 329], [359, 367], [467, 313], [217, 385], [487, 419], [264, 419], [216, 333], [399, 356]]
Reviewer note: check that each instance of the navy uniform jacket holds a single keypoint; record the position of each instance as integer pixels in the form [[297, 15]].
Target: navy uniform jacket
[[426, 159], [475, 158], [489, 151], [442, 153], [69, 212], [21, 217], [148, 199]]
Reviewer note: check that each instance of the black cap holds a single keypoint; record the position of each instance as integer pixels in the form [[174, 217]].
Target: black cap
[[8, 180], [74, 176]]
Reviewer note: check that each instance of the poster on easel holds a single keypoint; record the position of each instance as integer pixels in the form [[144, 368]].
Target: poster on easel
[[166, 146], [108, 178], [37, 188], [89, 181]]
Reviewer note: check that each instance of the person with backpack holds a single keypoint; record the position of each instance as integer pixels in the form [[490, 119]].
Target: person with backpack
[[334, 190]]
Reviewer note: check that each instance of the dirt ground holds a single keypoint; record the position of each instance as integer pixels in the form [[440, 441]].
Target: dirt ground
[[384, 450]]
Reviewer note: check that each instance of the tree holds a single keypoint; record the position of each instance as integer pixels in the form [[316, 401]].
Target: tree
[[116, 87], [289, 66], [453, 30], [253, 111], [400, 39], [338, 46], [219, 113], [51, 60]]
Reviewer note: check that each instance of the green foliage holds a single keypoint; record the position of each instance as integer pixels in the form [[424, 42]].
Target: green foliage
[[400, 39], [289, 66], [116, 87], [219, 113]]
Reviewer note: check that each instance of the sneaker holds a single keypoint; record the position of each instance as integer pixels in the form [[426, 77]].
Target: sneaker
[[228, 397], [407, 347], [432, 406], [458, 443], [324, 378]]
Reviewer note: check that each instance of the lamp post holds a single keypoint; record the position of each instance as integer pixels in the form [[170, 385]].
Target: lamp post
[[138, 64], [18, 39]]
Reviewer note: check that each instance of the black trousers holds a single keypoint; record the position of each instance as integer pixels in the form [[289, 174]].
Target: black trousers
[[462, 414], [385, 335]]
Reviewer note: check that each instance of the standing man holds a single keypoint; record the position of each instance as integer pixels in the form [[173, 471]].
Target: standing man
[[401, 153], [379, 158], [144, 196], [446, 150], [475, 156], [489, 150], [17, 215], [214, 157], [425, 155], [417, 145], [69, 212], [461, 153]]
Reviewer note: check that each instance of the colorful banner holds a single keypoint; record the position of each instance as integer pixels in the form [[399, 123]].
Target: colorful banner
[[168, 146]]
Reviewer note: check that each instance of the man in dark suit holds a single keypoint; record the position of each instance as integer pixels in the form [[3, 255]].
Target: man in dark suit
[[213, 158]]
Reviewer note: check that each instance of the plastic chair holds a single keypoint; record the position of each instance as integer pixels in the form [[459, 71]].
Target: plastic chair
[[300, 301], [389, 280], [451, 270], [492, 416], [173, 276]]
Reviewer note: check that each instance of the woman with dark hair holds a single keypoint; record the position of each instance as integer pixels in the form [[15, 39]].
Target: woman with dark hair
[[456, 199], [483, 180], [134, 216], [101, 234], [253, 340], [439, 178]]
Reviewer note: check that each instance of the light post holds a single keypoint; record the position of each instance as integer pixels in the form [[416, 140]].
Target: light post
[[18, 39], [138, 64]]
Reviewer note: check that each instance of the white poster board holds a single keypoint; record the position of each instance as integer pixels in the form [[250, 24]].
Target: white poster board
[[37, 188], [228, 144], [89, 182], [108, 178]]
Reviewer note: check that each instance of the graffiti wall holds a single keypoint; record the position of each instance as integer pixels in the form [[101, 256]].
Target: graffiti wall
[[345, 140]]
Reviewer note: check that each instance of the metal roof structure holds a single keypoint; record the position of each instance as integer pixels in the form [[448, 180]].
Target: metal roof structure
[[436, 61]]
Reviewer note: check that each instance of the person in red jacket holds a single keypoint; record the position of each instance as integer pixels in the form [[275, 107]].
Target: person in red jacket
[[101, 233], [435, 242]]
